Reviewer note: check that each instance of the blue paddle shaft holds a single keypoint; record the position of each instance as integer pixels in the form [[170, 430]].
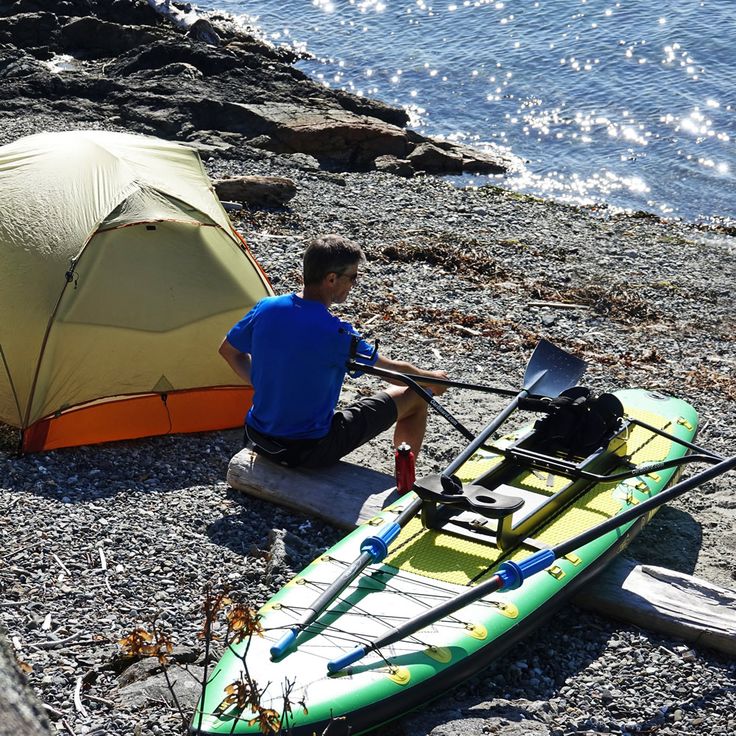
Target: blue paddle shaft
[[346, 660], [284, 643], [373, 549]]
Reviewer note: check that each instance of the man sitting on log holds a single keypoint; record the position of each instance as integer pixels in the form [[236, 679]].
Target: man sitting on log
[[294, 352]]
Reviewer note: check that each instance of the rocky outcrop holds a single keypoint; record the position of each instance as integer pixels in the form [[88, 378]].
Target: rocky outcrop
[[20, 710], [122, 64]]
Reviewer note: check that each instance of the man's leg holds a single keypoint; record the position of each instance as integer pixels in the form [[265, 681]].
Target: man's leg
[[412, 417]]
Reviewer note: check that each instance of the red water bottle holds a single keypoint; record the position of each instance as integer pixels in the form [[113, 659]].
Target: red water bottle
[[405, 471]]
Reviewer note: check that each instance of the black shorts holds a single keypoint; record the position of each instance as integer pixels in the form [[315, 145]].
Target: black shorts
[[351, 427]]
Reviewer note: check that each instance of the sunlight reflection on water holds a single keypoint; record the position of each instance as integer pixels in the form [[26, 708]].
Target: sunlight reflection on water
[[606, 101]]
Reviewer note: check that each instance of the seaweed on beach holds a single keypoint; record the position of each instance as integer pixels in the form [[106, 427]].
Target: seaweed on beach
[[438, 322], [708, 379], [465, 259], [615, 301]]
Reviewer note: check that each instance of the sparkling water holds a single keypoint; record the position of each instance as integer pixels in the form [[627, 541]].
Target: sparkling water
[[631, 104]]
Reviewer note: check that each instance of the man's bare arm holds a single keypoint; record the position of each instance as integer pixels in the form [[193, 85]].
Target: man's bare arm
[[239, 362], [402, 366]]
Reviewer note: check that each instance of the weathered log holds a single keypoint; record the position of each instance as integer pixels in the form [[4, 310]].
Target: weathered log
[[664, 601], [654, 598], [256, 191], [345, 496]]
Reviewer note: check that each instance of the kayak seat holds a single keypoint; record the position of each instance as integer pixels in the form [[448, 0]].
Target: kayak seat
[[449, 491]]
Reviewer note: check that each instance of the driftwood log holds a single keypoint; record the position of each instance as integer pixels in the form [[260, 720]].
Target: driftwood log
[[256, 191], [345, 497], [654, 598], [665, 601]]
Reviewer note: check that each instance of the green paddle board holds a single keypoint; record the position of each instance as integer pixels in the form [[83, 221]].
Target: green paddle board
[[427, 566]]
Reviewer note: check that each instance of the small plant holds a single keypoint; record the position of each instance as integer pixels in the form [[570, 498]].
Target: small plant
[[142, 643], [241, 623]]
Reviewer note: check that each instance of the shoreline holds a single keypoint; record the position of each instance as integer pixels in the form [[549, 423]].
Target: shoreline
[[321, 55], [456, 278]]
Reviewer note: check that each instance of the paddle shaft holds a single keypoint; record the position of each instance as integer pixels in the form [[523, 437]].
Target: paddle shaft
[[411, 381], [365, 558], [385, 373], [645, 507], [531, 565], [352, 572], [487, 431]]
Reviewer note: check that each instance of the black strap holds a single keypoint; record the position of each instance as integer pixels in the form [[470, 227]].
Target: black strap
[[290, 453], [264, 444]]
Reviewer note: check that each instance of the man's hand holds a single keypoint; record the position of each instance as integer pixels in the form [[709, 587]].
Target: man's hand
[[437, 389]]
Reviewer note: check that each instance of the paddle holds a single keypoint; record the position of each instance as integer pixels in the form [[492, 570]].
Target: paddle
[[549, 372], [511, 575], [385, 373], [373, 549]]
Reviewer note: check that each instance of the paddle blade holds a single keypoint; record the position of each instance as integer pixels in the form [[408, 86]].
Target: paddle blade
[[551, 370]]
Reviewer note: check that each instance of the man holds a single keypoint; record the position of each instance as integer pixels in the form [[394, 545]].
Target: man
[[294, 352]]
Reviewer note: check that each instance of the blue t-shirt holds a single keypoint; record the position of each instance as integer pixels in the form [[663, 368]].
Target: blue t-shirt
[[299, 352]]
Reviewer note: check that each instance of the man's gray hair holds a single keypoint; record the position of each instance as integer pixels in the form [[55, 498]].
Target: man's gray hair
[[329, 254]]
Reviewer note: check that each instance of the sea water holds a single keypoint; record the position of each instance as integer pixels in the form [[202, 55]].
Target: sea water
[[628, 103]]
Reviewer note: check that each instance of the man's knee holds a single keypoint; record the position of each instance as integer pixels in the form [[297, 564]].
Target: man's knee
[[407, 402]]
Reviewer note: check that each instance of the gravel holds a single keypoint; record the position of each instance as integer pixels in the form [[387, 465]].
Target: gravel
[[98, 540]]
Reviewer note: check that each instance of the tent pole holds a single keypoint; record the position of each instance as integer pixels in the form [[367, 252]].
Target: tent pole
[[12, 385]]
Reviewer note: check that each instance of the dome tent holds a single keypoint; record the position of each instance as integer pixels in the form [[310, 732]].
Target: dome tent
[[119, 276]]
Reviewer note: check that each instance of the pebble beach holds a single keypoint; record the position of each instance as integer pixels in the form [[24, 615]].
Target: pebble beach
[[99, 540]]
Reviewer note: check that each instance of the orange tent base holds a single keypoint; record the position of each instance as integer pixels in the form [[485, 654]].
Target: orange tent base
[[131, 417]]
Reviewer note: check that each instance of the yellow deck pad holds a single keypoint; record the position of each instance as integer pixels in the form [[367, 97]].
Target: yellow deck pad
[[453, 559], [442, 556]]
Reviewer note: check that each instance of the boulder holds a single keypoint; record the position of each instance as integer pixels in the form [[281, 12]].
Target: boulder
[[98, 38], [21, 711], [188, 21], [164, 52], [29, 30], [15, 64], [395, 166], [318, 129], [60, 7], [478, 162], [155, 689], [373, 108], [434, 160]]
